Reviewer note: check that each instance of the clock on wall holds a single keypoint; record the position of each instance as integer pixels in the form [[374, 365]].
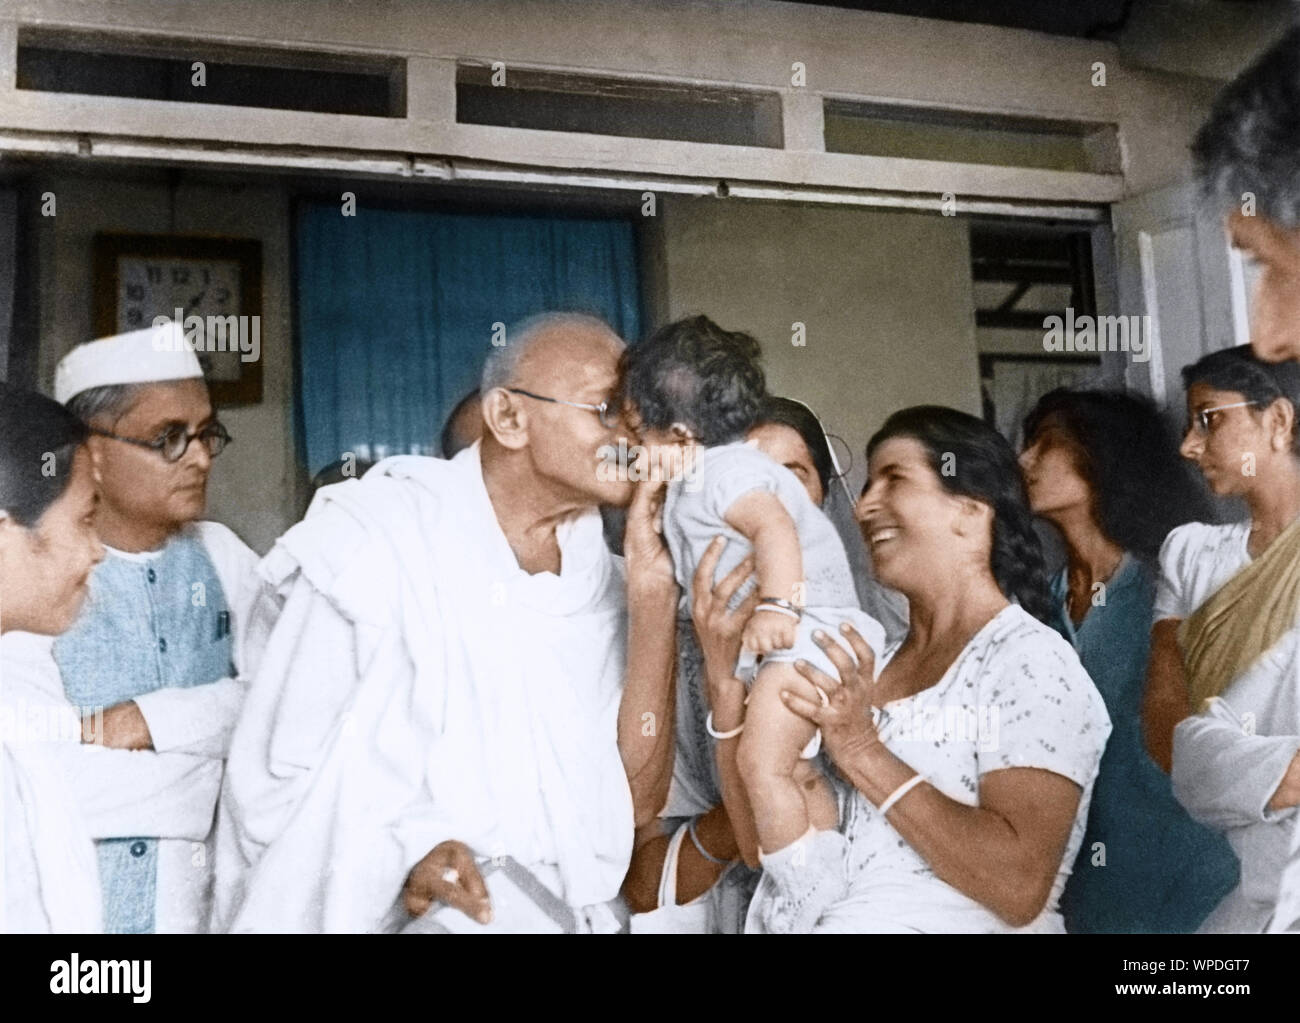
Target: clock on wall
[[213, 284]]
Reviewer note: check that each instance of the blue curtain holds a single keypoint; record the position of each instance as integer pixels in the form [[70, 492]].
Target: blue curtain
[[396, 311]]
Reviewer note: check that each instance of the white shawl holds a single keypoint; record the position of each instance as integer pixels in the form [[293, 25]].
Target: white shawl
[[479, 703]]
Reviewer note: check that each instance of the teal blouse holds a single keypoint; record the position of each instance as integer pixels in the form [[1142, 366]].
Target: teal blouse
[[1145, 866]]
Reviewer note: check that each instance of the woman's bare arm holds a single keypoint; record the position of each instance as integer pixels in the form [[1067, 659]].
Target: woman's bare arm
[[1165, 701], [1004, 853]]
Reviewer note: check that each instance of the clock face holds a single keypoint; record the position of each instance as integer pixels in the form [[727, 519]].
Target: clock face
[[178, 287]]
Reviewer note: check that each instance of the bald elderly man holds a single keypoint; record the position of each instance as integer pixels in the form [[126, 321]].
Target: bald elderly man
[[1247, 157], [464, 687]]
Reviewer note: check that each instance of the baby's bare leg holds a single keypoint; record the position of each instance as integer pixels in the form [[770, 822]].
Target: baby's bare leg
[[818, 796], [769, 762]]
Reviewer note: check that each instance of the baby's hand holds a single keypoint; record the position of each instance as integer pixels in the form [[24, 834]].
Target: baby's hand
[[767, 631]]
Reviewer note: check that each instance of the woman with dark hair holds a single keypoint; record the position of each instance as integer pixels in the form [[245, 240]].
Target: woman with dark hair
[[1101, 467], [971, 747], [1224, 681], [47, 549]]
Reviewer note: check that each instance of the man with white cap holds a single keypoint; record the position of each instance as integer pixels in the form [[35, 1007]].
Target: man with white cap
[[156, 644]]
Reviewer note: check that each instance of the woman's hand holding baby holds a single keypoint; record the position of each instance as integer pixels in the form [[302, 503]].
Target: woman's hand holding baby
[[845, 718]]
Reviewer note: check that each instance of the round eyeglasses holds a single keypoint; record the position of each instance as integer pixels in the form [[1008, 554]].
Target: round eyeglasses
[[608, 417], [175, 441], [1201, 417]]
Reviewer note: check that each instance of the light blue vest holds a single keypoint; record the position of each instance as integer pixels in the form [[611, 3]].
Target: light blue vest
[[147, 625]]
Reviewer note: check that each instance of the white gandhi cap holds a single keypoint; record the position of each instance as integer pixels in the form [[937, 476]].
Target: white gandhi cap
[[140, 357]]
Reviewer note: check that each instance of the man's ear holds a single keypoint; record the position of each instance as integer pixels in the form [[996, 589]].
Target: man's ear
[[681, 431], [505, 417]]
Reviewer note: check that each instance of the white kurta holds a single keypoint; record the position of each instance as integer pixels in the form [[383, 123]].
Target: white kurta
[[169, 792], [421, 687], [1229, 760]]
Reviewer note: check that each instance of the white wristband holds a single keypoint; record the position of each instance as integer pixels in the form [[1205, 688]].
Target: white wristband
[[900, 792], [708, 727]]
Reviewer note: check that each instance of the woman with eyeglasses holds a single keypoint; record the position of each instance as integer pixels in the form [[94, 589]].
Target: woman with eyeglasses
[[153, 659], [1223, 688]]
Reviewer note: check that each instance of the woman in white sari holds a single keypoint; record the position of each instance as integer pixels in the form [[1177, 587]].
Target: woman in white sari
[[1223, 687], [47, 549]]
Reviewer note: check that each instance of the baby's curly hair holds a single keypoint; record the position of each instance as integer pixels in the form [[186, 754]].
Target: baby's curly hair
[[695, 373]]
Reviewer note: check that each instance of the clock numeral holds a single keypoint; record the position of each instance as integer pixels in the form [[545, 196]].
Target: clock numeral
[[223, 296], [134, 317], [154, 273], [135, 292], [180, 275]]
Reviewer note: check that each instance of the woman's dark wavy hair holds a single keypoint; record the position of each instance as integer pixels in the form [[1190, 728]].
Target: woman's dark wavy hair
[[694, 372], [38, 440], [777, 411], [1141, 487], [984, 468], [1239, 369]]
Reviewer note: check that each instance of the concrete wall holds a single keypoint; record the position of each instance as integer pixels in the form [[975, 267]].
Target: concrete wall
[[253, 486], [886, 299], [743, 43]]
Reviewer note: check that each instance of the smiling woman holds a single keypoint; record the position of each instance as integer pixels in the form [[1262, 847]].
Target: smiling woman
[[967, 832]]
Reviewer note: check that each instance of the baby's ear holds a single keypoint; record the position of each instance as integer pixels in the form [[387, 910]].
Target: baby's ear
[[681, 431]]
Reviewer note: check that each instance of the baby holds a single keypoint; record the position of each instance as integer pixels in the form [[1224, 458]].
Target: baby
[[692, 392]]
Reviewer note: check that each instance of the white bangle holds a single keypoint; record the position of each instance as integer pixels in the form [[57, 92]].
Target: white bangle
[[900, 792], [779, 610], [708, 727]]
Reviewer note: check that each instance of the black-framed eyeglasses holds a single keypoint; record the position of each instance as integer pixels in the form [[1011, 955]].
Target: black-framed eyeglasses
[[608, 418], [173, 444], [1201, 417]]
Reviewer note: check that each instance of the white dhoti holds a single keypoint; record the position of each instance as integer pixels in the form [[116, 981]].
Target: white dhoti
[[420, 687]]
